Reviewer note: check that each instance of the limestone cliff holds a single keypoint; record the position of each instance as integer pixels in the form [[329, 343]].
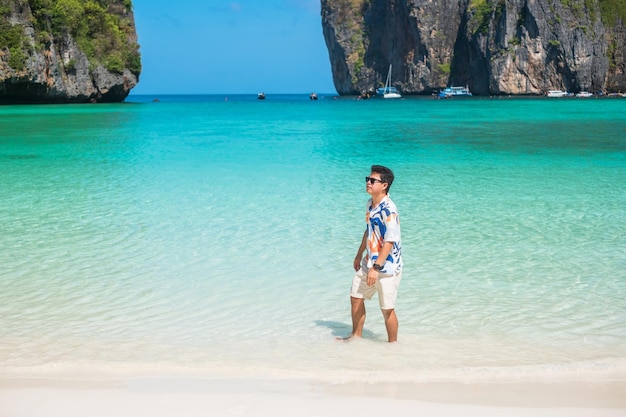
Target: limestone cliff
[[493, 46], [67, 51]]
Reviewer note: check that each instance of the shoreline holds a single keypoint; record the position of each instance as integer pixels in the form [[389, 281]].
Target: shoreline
[[158, 396]]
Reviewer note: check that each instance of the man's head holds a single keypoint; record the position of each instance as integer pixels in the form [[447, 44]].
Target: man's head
[[384, 174]]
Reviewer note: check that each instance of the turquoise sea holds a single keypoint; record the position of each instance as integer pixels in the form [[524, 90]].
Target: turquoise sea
[[214, 235]]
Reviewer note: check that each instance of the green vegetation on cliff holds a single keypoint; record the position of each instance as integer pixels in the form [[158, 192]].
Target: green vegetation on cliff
[[12, 38], [612, 11], [349, 14], [102, 29]]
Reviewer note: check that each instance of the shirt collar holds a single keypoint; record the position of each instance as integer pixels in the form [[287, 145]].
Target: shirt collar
[[383, 202]]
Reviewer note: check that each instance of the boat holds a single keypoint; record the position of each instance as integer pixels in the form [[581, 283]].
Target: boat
[[381, 91], [261, 96], [584, 94], [313, 96], [388, 91], [455, 92], [556, 93]]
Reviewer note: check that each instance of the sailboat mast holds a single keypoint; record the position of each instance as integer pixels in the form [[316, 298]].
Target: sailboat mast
[[388, 82]]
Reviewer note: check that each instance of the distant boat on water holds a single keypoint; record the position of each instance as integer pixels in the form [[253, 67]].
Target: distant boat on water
[[556, 93], [584, 94], [261, 96], [455, 92], [381, 91], [388, 91]]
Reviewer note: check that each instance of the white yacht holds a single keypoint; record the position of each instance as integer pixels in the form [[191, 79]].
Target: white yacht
[[556, 93]]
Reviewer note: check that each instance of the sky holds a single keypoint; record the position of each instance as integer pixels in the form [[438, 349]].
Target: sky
[[231, 47]]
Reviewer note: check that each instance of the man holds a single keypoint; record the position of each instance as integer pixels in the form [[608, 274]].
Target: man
[[380, 270]]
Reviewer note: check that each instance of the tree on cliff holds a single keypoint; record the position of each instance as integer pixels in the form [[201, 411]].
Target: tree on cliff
[[67, 50]]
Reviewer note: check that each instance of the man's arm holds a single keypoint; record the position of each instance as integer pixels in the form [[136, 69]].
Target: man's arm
[[384, 252], [372, 274], [359, 255]]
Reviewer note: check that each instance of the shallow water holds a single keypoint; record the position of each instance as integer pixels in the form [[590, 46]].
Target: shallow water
[[216, 236]]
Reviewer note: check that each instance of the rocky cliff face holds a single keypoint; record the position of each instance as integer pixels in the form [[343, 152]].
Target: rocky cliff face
[[67, 51], [493, 46]]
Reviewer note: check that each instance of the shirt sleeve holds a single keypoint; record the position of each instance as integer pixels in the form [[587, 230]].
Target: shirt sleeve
[[392, 227]]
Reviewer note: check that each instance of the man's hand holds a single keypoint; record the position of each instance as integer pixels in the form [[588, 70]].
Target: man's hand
[[372, 277]]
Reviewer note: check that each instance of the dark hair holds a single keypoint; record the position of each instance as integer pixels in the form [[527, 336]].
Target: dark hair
[[386, 175]]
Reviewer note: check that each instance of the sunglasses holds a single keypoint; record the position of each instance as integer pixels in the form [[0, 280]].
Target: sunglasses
[[373, 180]]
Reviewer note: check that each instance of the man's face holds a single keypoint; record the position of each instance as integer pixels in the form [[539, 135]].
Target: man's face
[[373, 184]]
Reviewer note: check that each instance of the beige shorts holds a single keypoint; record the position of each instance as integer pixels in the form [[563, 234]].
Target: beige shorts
[[386, 286]]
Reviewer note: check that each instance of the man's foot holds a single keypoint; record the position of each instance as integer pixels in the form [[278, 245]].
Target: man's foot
[[347, 338]]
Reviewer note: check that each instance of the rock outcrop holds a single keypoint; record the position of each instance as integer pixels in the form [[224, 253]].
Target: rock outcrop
[[493, 46], [67, 51]]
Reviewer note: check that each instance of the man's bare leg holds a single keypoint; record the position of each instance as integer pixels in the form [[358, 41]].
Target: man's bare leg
[[391, 323], [358, 316]]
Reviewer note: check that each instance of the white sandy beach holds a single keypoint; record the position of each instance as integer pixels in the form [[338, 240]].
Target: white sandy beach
[[190, 396]]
